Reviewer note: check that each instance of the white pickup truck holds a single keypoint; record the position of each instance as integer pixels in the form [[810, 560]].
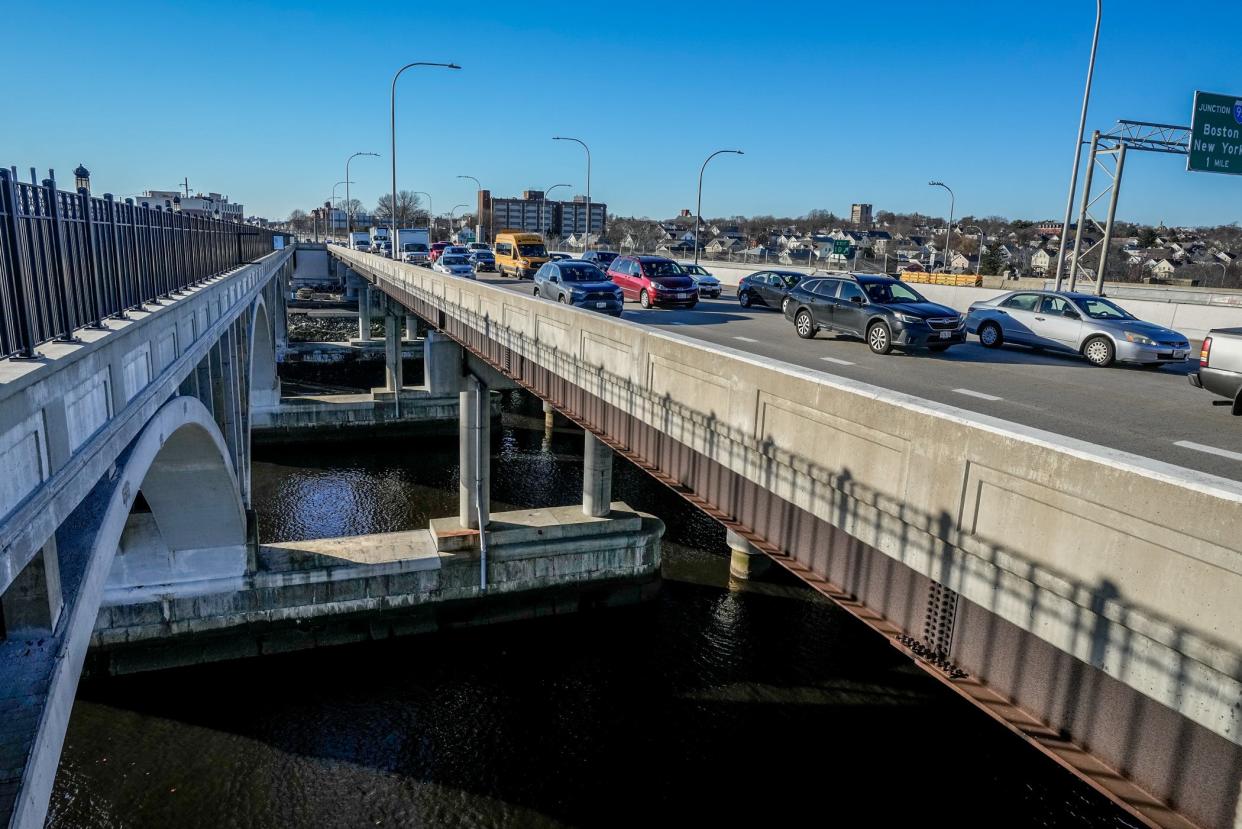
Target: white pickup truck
[[1220, 365]]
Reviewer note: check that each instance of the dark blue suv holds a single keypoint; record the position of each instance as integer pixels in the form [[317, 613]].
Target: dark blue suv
[[885, 312]]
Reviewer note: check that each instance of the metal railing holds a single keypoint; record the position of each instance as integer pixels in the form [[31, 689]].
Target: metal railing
[[69, 260]]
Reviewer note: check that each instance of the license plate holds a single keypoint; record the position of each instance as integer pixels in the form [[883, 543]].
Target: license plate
[[944, 335], [601, 305], [683, 296], [1179, 355]]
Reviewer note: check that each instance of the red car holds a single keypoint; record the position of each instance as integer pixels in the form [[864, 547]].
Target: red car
[[437, 248], [654, 281]]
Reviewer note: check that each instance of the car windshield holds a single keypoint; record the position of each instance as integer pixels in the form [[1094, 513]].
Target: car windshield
[[664, 268], [453, 260], [887, 293], [1102, 309], [532, 249], [482, 254], [604, 256], [582, 273], [415, 247], [697, 270]]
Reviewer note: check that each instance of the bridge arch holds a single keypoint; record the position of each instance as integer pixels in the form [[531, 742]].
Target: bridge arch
[[264, 383], [183, 531]]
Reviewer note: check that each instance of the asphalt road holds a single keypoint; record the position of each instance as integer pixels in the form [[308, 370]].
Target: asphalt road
[[1154, 413]]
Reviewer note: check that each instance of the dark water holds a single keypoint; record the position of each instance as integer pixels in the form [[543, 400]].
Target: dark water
[[765, 706]]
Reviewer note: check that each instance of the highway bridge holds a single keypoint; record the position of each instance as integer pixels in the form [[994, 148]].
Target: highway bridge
[[1052, 541]]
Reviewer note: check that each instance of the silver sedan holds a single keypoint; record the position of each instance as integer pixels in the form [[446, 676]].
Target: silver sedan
[[1095, 327]]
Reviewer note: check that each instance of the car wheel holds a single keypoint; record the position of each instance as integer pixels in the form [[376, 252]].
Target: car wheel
[[879, 338], [1099, 351], [804, 325], [643, 299], [536, 290], [990, 335], [743, 299], [563, 300]]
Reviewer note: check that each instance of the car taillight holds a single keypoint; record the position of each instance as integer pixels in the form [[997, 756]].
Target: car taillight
[[1205, 352]]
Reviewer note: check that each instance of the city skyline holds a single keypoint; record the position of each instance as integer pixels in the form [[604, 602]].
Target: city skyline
[[825, 120]]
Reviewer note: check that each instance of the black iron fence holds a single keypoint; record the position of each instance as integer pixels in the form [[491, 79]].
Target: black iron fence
[[71, 260]]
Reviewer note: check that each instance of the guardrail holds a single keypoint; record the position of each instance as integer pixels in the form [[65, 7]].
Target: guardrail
[[69, 260]]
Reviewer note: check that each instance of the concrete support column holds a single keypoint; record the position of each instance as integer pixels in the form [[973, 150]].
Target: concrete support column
[[474, 452], [392, 353], [745, 562], [411, 327], [33, 601], [596, 477], [364, 312]]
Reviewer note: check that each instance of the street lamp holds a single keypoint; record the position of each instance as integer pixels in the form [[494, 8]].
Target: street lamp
[[948, 232], [349, 204], [698, 212], [587, 237], [431, 219], [452, 217], [978, 253], [392, 135], [543, 208], [1082, 127], [478, 220], [333, 202], [82, 178]]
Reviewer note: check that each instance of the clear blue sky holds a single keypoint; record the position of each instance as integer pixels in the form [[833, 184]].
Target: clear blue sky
[[832, 103]]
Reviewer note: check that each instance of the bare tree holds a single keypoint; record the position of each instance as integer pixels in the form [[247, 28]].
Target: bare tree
[[301, 221], [407, 207]]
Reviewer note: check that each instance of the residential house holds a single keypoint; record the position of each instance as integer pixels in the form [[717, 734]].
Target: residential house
[[961, 263], [1164, 268], [722, 245], [795, 256], [1043, 261]]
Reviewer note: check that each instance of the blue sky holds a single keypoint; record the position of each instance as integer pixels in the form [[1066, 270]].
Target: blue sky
[[832, 102]]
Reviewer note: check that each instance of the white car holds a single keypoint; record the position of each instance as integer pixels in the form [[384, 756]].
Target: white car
[[454, 264]]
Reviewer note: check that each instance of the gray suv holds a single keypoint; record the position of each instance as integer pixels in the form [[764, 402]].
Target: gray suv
[[885, 312]]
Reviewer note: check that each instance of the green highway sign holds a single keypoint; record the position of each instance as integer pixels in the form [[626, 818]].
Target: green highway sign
[[840, 247], [1216, 134]]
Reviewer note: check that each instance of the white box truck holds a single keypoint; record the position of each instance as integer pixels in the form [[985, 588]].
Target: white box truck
[[413, 244], [380, 240], [360, 240]]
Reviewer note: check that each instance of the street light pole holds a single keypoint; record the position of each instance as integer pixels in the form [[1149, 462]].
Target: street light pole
[[451, 217], [948, 233], [333, 202], [478, 219], [543, 208], [978, 253], [587, 237], [348, 202], [392, 136], [698, 211], [1082, 128]]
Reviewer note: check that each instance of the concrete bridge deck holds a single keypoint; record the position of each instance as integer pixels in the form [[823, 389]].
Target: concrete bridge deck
[[1093, 588]]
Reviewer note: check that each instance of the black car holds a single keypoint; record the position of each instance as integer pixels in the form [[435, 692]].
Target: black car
[[885, 312], [767, 288], [600, 258], [483, 260]]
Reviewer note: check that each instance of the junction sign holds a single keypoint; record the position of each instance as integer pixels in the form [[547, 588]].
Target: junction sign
[[1216, 134]]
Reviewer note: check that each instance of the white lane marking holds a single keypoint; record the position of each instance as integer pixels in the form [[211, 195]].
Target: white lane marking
[[835, 360], [978, 394], [746, 339], [1211, 450]]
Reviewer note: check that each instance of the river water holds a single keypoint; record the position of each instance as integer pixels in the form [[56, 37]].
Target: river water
[[707, 706]]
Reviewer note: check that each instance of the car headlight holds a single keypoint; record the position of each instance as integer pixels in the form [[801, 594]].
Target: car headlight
[[909, 319], [1139, 339]]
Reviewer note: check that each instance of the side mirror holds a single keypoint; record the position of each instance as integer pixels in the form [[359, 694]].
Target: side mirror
[[1071, 314], [857, 300]]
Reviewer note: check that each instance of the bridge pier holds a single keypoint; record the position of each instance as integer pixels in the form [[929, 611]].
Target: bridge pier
[[745, 562], [33, 601], [392, 354], [475, 430], [596, 477], [411, 327], [364, 312]]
